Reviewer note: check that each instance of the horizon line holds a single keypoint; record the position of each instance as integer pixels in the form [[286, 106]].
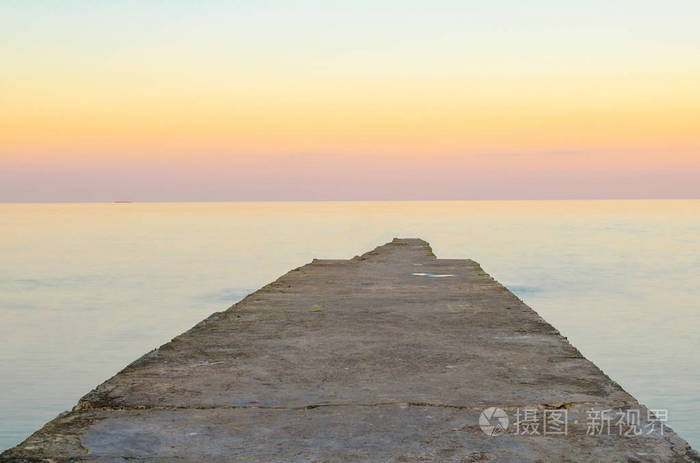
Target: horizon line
[[134, 201]]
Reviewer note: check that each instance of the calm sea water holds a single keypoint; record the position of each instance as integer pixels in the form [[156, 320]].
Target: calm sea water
[[87, 288]]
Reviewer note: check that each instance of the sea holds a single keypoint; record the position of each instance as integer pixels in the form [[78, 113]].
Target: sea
[[86, 288]]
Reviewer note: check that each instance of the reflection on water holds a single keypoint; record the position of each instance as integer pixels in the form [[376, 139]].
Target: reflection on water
[[87, 288]]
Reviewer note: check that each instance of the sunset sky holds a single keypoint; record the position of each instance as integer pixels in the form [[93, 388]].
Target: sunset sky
[[320, 100]]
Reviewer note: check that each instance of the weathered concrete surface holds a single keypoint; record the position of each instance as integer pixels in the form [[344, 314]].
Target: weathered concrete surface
[[383, 357]]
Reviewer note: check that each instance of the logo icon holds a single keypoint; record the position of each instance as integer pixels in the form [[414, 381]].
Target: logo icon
[[493, 421]]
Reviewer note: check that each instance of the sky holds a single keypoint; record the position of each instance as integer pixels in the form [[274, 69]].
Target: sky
[[348, 100]]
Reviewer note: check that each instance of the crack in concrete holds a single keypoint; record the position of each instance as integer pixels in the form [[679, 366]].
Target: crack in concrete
[[563, 405]]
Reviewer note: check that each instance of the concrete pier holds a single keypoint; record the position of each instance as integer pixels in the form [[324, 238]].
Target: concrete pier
[[390, 356]]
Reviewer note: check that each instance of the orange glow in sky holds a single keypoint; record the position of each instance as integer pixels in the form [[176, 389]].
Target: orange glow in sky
[[170, 101]]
